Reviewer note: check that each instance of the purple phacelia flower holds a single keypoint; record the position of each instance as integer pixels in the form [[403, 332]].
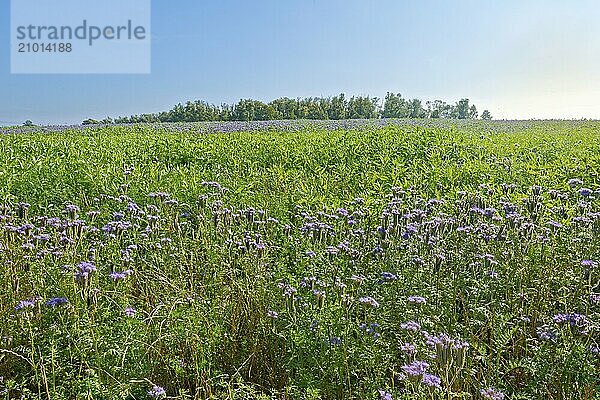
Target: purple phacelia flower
[[388, 276], [585, 192], [491, 394], [272, 314], [589, 264], [573, 319], [130, 312], [408, 348], [84, 270], [555, 224], [56, 302], [383, 395], [546, 333], [157, 392], [117, 276], [29, 303], [415, 368], [417, 300], [432, 380], [411, 326], [369, 301]]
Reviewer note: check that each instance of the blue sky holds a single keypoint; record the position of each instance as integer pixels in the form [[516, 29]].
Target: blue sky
[[519, 59]]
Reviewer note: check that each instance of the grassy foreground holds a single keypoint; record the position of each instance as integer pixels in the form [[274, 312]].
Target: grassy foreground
[[444, 261]]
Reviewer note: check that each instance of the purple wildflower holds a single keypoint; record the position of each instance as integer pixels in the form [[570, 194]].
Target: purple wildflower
[[432, 380], [388, 276], [589, 264], [84, 270], [272, 314], [410, 326], [415, 368], [546, 333], [369, 301], [573, 319], [491, 394], [408, 348], [117, 276], [56, 301], [130, 312], [417, 300], [492, 274], [29, 303], [383, 395], [157, 392]]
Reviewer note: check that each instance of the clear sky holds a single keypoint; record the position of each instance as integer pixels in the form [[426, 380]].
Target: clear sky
[[517, 58]]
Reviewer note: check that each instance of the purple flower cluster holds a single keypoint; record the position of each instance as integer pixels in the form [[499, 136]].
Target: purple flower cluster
[[369, 301], [157, 392], [410, 326], [491, 394], [417, 300], [84, 270], [573, 319], [56, 302], [117, 276], [416, 368]]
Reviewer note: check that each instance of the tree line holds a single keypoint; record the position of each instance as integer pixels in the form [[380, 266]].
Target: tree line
[[323, 108]]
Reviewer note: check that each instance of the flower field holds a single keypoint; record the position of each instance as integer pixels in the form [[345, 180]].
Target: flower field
[[396, 260]]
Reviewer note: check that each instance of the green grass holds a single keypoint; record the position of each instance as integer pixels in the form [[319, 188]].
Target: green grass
[[202, 283]]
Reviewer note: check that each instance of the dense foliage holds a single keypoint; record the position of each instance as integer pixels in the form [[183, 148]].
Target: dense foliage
[[316, 108], [414, 261]]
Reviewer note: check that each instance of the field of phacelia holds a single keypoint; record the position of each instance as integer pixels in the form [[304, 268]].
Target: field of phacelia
[[395, 260]]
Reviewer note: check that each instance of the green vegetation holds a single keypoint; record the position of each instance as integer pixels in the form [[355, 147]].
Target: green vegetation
[[455, 260]]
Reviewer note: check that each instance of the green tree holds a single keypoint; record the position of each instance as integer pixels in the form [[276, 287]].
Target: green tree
[[362, 107], [473, 112], [486, 115], [461, 110], [394, 106], [337, 109], [415, 109]]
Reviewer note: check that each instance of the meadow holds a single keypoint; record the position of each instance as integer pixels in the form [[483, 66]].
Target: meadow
[[393, 259]]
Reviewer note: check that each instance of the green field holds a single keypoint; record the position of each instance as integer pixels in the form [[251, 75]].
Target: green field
[[285, 264]]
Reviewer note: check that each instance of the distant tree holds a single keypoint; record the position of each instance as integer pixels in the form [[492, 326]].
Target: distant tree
[[486, 115], [438, 109], [285, 108], [253, 110], [394, 106], [415, 109], [461, 110], [337, 109], [473, 112], [90, 121], [28, 123], [362, 107], [314, 109]]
